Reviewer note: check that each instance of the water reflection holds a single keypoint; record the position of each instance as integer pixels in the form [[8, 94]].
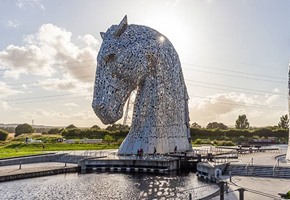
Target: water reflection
[[107, 186]]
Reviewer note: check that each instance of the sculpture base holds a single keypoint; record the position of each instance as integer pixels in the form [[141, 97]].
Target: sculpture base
[[131, 164]]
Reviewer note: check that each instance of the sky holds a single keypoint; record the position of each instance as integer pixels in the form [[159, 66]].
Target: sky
[[234, 56]]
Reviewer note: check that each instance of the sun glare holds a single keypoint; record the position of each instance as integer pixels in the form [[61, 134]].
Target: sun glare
[[161, 38]]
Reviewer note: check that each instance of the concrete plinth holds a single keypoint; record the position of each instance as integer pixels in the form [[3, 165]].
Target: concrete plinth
[[134, 165]]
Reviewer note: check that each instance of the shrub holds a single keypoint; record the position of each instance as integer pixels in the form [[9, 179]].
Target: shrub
[[54, 131], [120, 140], [3, 135], [23, 128], [197, 141], [108, 139]]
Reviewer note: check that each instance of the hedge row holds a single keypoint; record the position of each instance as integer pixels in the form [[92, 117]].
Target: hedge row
[[216, 133], [76, 133]]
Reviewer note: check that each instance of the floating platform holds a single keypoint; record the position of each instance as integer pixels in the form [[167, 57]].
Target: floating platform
[[131, 164]]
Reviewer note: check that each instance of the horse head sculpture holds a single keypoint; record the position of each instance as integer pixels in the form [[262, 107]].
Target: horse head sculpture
[[138, 57]]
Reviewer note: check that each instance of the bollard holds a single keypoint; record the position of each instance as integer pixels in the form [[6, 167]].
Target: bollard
[[222, 190], [230, 173], [241, 193], [20, 164], [227, 188], [65, 164], [190, 196]]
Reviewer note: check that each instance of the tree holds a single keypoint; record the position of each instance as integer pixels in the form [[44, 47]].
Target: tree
[[96, 127], [54, 131], [23, 128], [242, 122], [213, 125], [3, 135], [118, 127], [71, 126], [284, 122], [108, 139], [195, 125]]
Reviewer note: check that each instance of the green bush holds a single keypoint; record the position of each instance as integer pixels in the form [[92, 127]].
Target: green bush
[[76, 133], [23, 128], [108, 139], [198, 141], [3, 135], [46, 138], [225, 143], [120, 140], [54, 131], [234, 133]]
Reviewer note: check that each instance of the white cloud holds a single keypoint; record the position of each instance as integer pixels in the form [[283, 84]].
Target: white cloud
[[89, 40], [225, 108], [6, 91], [13, 23], [50, 51], [30, 3], [24, 60], [271, 99], [173, 3], [4, 105], [66, 84], [60, 118], [71, 105]]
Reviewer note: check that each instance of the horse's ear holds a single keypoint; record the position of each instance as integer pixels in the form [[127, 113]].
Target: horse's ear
[[102, 35], [121, 27]]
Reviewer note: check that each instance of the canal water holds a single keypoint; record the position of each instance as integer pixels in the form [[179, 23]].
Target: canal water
[[107, 186]]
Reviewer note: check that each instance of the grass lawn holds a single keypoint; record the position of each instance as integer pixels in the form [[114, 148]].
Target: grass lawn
[[21, 149]]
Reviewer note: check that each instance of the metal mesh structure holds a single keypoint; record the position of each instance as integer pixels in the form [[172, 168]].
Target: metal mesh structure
[[138, 57], [288, 151]]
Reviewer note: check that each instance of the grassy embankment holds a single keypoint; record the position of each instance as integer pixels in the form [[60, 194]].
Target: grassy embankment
[[14, 147]]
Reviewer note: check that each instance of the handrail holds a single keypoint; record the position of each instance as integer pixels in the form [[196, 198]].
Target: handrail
[[275, 165], [249, 164]]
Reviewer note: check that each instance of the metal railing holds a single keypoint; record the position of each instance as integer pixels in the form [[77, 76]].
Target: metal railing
[[276, 165], [251, 163]]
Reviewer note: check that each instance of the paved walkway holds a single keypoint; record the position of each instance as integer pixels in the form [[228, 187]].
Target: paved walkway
[[257, 188], [268, 158], [36, 167]]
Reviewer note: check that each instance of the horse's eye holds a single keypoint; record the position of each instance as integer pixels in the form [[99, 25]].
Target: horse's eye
[[111, 57]]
